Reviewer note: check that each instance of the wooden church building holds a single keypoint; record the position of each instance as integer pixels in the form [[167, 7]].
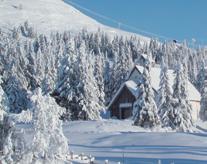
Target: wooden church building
[[121, 105]]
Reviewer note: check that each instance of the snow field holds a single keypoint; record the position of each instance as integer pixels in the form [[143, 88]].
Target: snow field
[[119, 141]]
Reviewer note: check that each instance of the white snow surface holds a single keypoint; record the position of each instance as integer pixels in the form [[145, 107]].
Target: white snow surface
[[48, 16], [115, 139], [108, 139]]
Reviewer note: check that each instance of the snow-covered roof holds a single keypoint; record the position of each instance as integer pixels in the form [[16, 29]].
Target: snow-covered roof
[[131, 86], [146, 57], [193, 93]]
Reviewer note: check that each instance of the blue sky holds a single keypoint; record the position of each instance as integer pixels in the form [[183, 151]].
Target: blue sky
[[175, 19]]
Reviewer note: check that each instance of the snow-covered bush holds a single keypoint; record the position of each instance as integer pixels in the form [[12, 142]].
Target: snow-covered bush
[[23, 117], [6, 131], [49, 141]]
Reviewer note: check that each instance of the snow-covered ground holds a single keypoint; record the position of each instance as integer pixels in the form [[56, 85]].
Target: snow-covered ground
[[119, 141], [51, 16]]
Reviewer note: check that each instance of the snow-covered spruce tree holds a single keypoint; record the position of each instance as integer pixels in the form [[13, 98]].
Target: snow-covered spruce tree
[[49, 140], [67, 79], [165, 53], [69, 87], [182, 109], [17, 95], [123, 64], [107, 74], [77, 89], [145, 109], [87, 85], [192, 70], [164, 98], [4, 103], [154, 50], [203, 109], [15, 33], [31, 73], [201, 77], [63, 91], [7, 130], [99, 77], [27, 31], [91, 90]]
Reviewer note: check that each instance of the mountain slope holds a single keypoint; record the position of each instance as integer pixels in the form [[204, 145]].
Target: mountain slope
[[49, 15]]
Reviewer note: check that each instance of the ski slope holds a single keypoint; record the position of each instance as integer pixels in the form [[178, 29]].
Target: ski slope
[[48, 16]]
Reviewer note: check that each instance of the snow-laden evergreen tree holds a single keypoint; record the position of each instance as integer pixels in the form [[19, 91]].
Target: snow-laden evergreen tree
[[91, 91], [63, 91], [145, 109], [17, 95], [29, 62], [7, 130], [99, 77], [164, 88], [164, 99], [203, 109], [27, 31], [88, 85], [154, 50], [201, 77], [182, 109], [165, 53], [49, 140], [8, 148], [67, 80], [49, 78], [192, 69], [4, 103], [107, 74], [69, 89], [123, 64]]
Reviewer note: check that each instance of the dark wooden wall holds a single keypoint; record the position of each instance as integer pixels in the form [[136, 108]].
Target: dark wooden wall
[[125, 96]]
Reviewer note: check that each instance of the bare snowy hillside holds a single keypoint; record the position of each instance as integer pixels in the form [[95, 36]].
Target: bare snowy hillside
[[49, 15]]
